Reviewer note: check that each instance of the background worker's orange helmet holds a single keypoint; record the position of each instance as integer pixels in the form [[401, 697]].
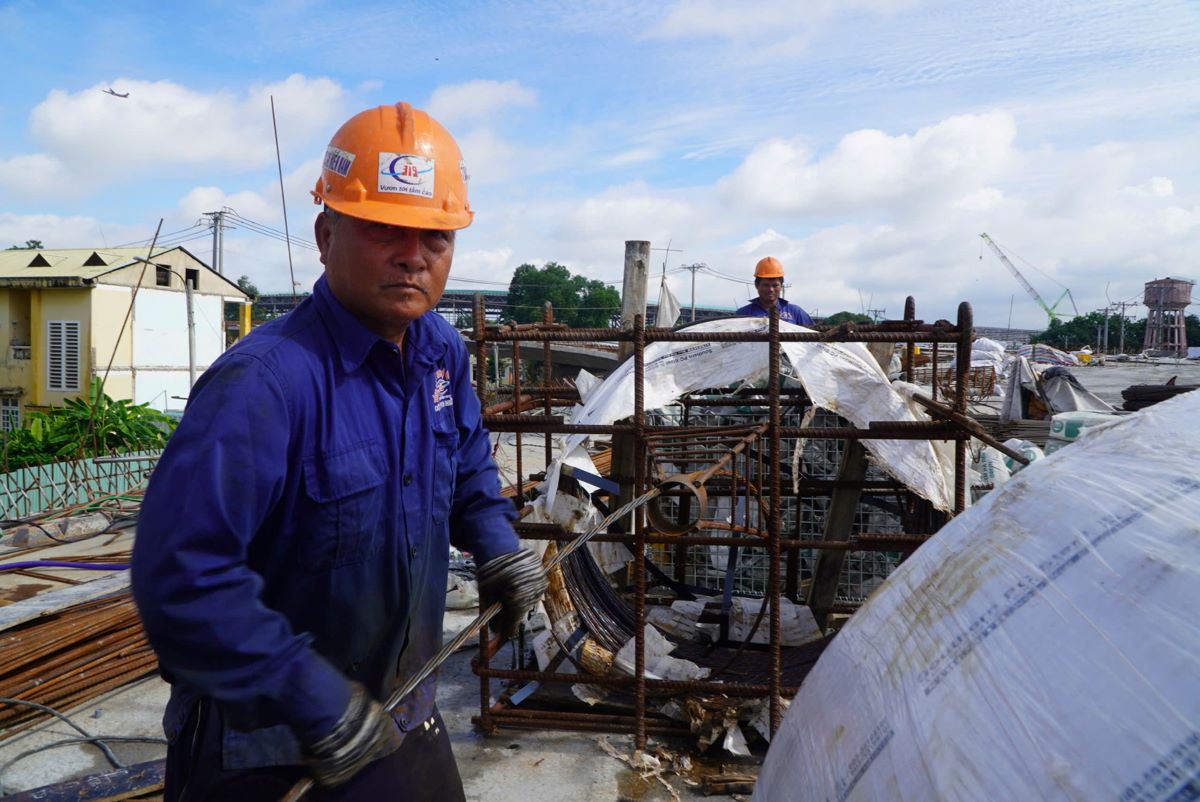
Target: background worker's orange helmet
[[396, 165], [768, 267]]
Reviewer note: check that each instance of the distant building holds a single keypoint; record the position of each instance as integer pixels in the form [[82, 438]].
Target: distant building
[[68, 312]]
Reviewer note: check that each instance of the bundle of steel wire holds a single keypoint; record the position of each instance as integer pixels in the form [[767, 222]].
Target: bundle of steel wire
[[65, 659]]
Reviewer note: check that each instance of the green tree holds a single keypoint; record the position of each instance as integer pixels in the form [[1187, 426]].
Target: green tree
[[577, 300], [247, 286], [847, 317], [30, 245], [1081, 331], [1077, 332], [86, 427]]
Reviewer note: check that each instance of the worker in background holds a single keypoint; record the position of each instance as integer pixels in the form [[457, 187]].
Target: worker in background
[[768, 280], [293, 547]]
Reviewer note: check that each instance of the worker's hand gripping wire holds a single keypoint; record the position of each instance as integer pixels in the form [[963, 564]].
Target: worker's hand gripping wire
[[363, 734], [516, 581], [488, 612]]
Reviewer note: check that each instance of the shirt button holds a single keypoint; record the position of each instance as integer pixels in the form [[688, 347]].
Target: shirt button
[[407, 479]]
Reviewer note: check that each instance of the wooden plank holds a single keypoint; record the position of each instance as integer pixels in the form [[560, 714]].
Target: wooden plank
[[58, 600], [127, 783]]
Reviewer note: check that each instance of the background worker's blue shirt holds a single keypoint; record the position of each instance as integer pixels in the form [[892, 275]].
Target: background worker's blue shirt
[[787, 312], [296, 530]]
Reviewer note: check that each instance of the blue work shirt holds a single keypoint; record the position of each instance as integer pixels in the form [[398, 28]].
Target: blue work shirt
[[789, 313], [296, 530]]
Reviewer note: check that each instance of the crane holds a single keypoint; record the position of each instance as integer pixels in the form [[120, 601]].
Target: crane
[[1051, 311]]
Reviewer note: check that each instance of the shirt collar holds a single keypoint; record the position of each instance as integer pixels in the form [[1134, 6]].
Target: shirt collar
[[353, 341]]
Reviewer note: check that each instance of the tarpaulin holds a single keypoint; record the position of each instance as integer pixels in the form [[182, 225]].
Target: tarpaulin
[[1042, 646]]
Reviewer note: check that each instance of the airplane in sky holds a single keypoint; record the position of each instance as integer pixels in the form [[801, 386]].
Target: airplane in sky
[[114, 93]]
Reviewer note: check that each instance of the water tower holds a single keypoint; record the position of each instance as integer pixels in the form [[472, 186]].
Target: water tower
[[1165, 327]]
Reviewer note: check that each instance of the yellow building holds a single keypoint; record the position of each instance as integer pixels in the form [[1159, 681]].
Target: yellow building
[[77, 313]]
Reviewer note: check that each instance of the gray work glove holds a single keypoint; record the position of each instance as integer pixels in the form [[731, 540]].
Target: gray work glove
[[363, 734], [517, 581]]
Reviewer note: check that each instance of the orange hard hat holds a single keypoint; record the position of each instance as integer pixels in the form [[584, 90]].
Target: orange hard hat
[[768, 267], [398, 166]]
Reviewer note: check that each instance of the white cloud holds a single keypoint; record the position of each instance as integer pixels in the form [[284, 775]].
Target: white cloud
[[60, 231], [1157, 187], [626, 158], [164, 128], [490, 159], [631, 212], [35, 176], [869, 169], [479, 100], [494, 264]]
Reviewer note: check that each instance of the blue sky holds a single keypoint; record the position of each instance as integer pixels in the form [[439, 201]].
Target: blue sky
[[866, 143]]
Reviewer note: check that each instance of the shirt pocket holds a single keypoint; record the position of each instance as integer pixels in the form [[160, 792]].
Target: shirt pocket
[[445, 472], [346, 489]]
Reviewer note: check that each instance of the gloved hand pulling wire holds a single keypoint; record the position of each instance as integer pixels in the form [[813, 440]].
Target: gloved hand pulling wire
[[363, 734], [515, 580]]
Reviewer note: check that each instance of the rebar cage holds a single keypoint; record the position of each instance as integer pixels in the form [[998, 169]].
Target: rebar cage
[[795, 513]]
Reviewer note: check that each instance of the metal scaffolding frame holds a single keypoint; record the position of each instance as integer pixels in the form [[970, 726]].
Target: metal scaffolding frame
[[692, 464]]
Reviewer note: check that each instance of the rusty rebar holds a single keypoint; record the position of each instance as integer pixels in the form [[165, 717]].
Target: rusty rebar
[[773, 536], [910, 312], [547, 373], [639, 570], [879, 430], [966, 326], [865, 333], [480, 336]]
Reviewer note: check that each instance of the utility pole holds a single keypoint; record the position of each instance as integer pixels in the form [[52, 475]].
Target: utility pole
[[218, 245], [876, 314], [1122, 305], [692, 269]]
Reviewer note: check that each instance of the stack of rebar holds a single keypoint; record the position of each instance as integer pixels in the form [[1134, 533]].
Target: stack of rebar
[[70, 657]]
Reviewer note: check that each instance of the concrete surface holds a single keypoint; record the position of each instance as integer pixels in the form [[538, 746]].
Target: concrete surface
[[1109, 379], [512, 766]]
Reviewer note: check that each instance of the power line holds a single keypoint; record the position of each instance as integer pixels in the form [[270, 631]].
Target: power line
[[163, 238], [267, 231]]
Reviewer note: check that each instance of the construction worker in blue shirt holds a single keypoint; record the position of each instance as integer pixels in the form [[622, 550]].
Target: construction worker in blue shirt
[[768, 280], [293, 547]]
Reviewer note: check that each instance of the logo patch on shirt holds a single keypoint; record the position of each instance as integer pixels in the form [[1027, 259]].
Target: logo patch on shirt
[[441, 390]]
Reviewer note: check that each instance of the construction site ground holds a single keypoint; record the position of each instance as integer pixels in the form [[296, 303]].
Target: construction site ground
[[510, 766]]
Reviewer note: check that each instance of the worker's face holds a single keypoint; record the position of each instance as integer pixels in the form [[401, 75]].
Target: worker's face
[[769, 289], [386, 276]]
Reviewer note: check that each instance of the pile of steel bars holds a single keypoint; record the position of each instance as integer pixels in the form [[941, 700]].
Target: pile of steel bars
[[67, 658]]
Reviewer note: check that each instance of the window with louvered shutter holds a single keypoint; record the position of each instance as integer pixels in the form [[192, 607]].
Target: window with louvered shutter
[[63, 361]]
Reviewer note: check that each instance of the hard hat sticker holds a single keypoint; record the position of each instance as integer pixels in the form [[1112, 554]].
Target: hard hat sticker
[[338, 160], [406, 173]]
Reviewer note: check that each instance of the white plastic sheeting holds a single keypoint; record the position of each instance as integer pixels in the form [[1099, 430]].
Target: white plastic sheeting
[[1043, 646], [841, 377]]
